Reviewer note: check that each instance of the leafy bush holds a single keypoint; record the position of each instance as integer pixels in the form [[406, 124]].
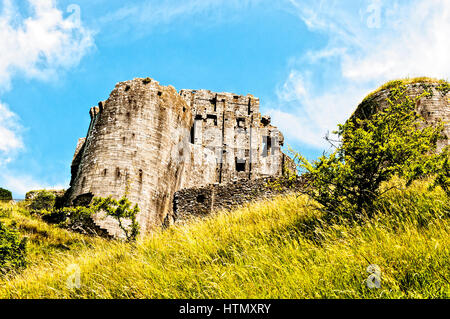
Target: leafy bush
[[42, 200], [119, 209], [371, 151], [5, 195], [12, 249], [77, 219]]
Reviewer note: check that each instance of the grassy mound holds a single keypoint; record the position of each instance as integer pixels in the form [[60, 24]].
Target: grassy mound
[[274, 249]]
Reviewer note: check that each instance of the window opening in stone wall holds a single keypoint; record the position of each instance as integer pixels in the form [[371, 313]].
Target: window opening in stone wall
[[118, 172], [141, 174], [105, 171], [240, 165], [214, 102], [201, 198], [211, 119], [240, 122], [267, 146], [192, 134]]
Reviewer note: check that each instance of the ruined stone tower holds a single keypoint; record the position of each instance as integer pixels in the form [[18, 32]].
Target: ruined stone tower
[[433, 108], [147, 141]]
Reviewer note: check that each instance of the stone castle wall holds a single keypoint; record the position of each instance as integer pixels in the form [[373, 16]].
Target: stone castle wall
[[202, 201], [129, 149], [433, 108], [148, 141]]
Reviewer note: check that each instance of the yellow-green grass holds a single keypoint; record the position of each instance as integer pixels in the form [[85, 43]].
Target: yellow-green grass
[[272, 249]]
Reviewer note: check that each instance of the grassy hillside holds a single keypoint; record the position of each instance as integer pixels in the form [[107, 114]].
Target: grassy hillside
[[276, 249]]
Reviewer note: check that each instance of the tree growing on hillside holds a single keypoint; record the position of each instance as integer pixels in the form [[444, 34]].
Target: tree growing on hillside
[[370, 151]]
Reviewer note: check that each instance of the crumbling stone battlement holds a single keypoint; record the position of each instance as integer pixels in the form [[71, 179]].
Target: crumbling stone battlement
[[148, 141]]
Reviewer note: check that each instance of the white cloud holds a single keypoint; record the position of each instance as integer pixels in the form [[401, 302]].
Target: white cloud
[[367, 46], [143, 16], [19, 185], [9, 138], [37, 46]]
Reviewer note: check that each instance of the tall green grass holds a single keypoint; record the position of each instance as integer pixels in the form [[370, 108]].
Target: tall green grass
[[273, 249]]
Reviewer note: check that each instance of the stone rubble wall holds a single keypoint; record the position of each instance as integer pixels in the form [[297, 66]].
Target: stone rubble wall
[[202, 201]]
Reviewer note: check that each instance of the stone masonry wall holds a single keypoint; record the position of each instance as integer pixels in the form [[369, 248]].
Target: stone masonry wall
[[132, 149], [148, 141], [433, 108], [246, 145], [202, 201]]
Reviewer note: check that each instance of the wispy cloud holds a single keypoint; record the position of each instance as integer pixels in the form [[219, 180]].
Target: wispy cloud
[[36, 46], [20, 184], [40, 45], [10, 140], [141, 18], [367, 45]]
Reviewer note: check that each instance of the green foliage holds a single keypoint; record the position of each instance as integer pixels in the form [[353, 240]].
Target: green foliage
[[120, 209], [77, 219], [5, 195], [42, 200], [406, 81], [444, 88], [371, 151], [443, 172], [12, 249]]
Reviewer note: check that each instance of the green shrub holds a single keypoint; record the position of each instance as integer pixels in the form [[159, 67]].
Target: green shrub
[[391, 142], [12, 249], [77, 219], [5, 195], [119, 209], [42, 200]]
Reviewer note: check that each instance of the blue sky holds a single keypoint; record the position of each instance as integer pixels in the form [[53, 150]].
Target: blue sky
[[310, 62]]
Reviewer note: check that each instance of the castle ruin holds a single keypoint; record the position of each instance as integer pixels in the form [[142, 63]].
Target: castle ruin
[[434, 107], [148, 141]]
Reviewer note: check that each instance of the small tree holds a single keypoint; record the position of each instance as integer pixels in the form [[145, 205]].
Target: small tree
[[119, 209], [12, 249], [392, 141], [5, 195]]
